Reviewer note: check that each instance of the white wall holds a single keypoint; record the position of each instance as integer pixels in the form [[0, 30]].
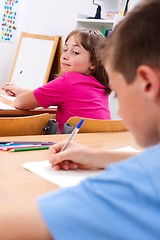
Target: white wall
[[7, 50]]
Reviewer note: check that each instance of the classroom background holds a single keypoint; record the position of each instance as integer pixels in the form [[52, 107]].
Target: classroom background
[[51, 17]]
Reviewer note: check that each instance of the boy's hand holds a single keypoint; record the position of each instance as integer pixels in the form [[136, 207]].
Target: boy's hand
[[74, 157]]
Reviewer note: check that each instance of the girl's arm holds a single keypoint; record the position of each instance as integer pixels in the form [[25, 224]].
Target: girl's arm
[[79, 156], [26, 101]]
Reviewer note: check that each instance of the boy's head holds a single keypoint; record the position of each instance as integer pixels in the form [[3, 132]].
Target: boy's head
[[131, 56]]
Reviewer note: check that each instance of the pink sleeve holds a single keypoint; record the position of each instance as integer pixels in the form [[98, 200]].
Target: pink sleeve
[[53, 92]]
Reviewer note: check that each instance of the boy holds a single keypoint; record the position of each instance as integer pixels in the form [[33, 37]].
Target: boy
[[124, 201]]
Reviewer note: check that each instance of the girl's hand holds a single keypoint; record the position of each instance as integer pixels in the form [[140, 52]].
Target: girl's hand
[[12, 90], [74, 157]]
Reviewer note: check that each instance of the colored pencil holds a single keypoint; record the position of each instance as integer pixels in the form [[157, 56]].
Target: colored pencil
[[29, 149], [20, 146]]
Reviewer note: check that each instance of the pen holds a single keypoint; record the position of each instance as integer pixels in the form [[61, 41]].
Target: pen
[[9, 91], [15, 78], [126, 8], [75, 131], [29, 149]]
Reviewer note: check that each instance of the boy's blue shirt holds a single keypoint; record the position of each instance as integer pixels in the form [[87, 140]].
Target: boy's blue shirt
[[121, 203]]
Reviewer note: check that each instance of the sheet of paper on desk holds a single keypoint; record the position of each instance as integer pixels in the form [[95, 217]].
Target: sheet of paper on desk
[[4, 106], [127, 149], [63, 178], [12, 98], [51, 107]]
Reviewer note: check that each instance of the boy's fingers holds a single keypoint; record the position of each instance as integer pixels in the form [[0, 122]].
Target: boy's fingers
[[66, 165], [57, 158], [57, 147]]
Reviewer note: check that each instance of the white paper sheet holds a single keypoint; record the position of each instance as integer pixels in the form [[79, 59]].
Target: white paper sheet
[[64, 178], [127, 149], [4, 106], [61, 178], [12, 98]]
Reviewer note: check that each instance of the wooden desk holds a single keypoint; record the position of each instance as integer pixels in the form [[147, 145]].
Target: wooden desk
[[17, 112], [16, 181]]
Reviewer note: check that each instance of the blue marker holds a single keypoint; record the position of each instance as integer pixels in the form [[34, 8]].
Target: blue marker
[[75, 131], [16, 78]]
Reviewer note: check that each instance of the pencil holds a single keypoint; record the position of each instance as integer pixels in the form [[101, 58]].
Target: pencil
[[20, 146], [26, 142], [29, 149]]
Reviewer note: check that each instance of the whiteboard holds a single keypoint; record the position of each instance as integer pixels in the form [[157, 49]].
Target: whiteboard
[[34, 58]]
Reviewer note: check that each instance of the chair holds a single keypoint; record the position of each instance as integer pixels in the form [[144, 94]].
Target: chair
[[28, 125], [98, 125]]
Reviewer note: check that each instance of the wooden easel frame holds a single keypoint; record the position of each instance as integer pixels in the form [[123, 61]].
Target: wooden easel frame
[[54, 45]]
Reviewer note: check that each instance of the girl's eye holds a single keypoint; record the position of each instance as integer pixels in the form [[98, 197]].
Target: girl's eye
[[64, 50], [75, 53]]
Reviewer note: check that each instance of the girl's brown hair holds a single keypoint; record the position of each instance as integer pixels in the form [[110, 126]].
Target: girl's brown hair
[[90, 39]]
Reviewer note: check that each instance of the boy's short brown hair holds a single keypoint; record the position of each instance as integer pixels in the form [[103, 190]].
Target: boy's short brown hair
[[135, 40]]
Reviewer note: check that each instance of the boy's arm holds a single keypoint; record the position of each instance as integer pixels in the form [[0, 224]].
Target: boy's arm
[[21, 220], [83, 157]]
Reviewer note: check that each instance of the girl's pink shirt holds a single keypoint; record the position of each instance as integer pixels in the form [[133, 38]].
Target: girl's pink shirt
[[74, 94]]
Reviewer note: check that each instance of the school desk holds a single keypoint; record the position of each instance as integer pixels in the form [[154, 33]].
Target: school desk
[[16, 181], [17, 112]]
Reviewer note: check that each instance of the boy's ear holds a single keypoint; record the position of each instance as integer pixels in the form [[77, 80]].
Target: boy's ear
[[150, 81]]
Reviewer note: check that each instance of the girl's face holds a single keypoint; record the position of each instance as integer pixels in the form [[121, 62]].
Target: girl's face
[[75, 58]]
